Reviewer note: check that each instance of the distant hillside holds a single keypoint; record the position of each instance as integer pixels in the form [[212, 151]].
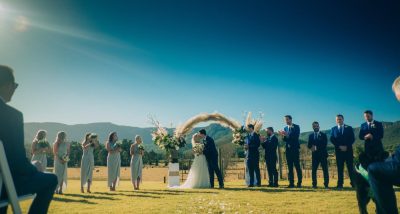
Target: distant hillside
[[222, 135], [77, 132], [391, 137]]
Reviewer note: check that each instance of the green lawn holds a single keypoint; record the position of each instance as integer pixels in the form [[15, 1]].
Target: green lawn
[[156, 198]]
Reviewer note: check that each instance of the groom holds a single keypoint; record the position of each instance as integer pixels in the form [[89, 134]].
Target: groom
[[210, 151]]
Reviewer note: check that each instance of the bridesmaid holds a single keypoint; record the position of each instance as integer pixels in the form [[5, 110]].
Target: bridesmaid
[[136, 162], [39, 151], [113, 160], [61, 157], [87, 164]]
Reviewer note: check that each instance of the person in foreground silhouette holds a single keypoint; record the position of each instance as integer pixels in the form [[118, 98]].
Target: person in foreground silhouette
[[383, 175], [27, 179]]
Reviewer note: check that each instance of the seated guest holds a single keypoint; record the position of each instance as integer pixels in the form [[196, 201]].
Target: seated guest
[[270, 145], [317, 142], [383, 175], [27, 179]]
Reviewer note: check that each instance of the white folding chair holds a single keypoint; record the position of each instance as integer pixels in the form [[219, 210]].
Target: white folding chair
[[5, 175]]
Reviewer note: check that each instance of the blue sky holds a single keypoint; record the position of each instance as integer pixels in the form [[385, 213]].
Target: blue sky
[[102, 61]]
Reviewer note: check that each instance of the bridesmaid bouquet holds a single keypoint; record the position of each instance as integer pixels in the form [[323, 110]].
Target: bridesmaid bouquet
[[117, 145], [141, 148], [65, 157], [43, 144], [198, 149]]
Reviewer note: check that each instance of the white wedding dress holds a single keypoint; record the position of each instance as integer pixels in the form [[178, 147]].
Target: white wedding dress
[[198, 176]]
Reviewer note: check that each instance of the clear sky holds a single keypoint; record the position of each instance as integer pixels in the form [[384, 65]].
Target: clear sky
[[84, 61]]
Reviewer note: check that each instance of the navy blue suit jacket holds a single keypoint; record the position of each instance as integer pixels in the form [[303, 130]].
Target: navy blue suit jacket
[[292, 141], [320, 142], [270, 146], [345, 139], [376, 130], [210, 151], [253, 141], [12, 135]]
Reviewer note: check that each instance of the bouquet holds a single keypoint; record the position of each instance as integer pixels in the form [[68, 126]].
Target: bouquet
[[43, 144], [198, 149], [141, 148], [239, 136], [65, 157], [117, 145]]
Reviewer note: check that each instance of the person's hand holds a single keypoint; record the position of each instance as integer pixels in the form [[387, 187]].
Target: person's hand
[[369, 137], [262, 138], [343, 148], [282, 133], [246, 146], [314, 148]]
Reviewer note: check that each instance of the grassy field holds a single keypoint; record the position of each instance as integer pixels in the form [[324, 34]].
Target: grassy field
[[154, 197]]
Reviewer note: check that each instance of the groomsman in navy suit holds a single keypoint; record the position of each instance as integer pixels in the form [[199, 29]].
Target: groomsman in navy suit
[[253, 155], [317, 142], [291, 134], [270, 146], [372, 133], [342, 136]]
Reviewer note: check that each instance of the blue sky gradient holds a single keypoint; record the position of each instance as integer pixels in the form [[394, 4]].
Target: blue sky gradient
[[102, 61]]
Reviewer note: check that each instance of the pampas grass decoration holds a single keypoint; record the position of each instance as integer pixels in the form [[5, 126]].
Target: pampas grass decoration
[[258, 123], [221, 119]]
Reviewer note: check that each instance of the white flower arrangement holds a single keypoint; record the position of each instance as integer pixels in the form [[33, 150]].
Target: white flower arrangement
[[65, 158], [165, 140]]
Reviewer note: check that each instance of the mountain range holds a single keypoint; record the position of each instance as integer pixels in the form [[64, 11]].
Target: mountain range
[[222, 135]]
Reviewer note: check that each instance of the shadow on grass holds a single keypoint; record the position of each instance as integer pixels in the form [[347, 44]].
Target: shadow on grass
[[170, 192], [126, 195], [90, 197], [279, 190], [72, 200]]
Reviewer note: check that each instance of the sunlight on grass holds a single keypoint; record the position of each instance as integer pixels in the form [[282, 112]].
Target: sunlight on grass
[[156, 198]]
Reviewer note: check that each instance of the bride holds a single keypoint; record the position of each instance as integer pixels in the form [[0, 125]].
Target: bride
[[198, 175]]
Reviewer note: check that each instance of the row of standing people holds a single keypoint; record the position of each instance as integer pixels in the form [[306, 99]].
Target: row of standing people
[[61, 151], [342, 137]]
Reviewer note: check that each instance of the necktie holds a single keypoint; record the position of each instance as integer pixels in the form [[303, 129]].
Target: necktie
[[369, 126], [341, 130], [315, 135]]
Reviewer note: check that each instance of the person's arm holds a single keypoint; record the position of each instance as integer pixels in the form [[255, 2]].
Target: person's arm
[[132, 150], [333, 138], [275, 143], [352, 138], [33, 147], [55, 152], [362, 133], [16, 153], [309, 144], [324, 141]]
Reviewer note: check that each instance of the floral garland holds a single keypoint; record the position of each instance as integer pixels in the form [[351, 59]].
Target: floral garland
[[239, 136]]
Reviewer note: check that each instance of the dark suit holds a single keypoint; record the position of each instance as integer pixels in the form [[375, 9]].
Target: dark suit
[[253, 157], [270, 146], [375, 145], [211, 153], [382, 177], [343, 138], [27, 179], [320, 156], [293, 152]]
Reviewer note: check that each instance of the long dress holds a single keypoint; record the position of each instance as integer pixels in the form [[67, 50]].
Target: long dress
[[136, 164], [198, 176], [61, 169], [113, 166], [87, 166], [41, 157]]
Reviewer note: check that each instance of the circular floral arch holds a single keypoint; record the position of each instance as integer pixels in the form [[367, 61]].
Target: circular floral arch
[[221, 119]]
